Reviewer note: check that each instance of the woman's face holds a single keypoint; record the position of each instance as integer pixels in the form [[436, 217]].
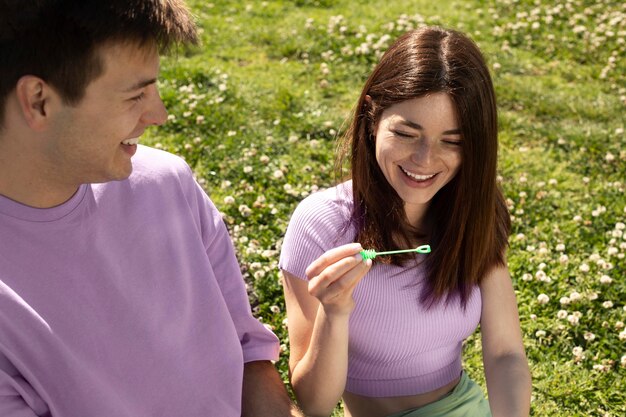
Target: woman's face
[[418, 149]]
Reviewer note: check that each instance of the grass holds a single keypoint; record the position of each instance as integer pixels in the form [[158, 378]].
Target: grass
[[256, 109]]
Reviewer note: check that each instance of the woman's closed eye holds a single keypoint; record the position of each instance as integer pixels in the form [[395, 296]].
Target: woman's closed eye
[[404, 134]]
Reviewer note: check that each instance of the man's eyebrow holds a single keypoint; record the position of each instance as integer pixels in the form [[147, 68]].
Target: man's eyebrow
[[417, 126], [140, 85]]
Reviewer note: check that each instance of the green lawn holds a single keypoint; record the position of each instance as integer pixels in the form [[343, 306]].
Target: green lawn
[[255, 110]]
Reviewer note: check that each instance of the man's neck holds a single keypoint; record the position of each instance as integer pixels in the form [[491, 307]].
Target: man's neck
[[25, 179]]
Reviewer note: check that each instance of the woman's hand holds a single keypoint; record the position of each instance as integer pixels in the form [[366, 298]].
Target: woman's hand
[[334, 275], [319, 312]]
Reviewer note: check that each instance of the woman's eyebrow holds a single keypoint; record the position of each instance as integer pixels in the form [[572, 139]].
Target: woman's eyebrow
[[417, 126]]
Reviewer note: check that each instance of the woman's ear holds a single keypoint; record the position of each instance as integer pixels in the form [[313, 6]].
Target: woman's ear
[[35, 98]]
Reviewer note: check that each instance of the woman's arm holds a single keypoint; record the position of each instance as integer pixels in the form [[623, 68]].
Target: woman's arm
[[506, 366], [318, 314]]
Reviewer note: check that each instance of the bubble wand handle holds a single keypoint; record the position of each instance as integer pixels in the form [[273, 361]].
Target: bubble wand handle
[[371, 254]]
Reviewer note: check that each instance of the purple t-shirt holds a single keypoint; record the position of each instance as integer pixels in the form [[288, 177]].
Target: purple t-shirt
[[125, 301], [396, 345]]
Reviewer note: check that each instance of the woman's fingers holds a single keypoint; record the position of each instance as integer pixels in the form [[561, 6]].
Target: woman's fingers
[[332, 256], [339, 279]]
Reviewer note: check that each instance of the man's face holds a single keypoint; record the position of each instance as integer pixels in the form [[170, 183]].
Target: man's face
[[94, 141]]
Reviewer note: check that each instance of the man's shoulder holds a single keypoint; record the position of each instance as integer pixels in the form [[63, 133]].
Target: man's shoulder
[[152, 159]]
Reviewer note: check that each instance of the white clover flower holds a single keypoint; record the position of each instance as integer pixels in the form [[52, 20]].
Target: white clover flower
[[623, 361], [264, 159], [560, 247], [229, 199], [520, 236], [247, 169], [527, 277], [552, 181], [619, 325], [575, 296], [275, 309], [620, 226], [605, 280], [589, 336], [584, 268], [540, 333], [573, 320], [577, 218], [607, 304], [533, 317], [601, 368], [592, 296], [245, 210], [540, 275], [612, 251], [562, 314], [563, 259], [564, 301], [278, 174], [259, 274], [622, 335], [609, 157], [543, 299]]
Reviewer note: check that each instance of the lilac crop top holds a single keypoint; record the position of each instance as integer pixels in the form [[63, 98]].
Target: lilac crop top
[[396, 346]]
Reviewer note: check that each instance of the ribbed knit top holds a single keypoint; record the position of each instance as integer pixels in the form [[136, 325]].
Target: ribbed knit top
[[397, 346]]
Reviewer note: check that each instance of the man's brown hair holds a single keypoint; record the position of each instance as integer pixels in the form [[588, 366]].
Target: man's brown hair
[[58, 40]]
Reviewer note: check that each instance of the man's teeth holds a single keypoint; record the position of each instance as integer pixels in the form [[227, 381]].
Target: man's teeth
[[418, 177], [131, 141]]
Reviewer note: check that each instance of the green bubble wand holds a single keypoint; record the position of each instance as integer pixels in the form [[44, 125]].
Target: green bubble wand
[[371, 253]]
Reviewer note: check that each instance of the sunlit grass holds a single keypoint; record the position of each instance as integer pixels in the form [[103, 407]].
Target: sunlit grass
[[257, 108]]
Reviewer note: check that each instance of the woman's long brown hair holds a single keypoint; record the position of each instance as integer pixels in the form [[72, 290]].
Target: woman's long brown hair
[[468, 222]]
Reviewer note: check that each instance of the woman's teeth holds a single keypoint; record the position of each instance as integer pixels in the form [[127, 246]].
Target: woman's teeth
[[418, 177]]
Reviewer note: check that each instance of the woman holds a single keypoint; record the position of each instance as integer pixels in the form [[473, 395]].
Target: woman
[[386, 336]]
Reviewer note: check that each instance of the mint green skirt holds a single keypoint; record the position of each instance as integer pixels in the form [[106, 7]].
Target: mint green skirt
[[465, 400]]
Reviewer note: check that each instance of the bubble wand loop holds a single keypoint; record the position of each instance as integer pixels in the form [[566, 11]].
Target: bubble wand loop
[[371, 253]]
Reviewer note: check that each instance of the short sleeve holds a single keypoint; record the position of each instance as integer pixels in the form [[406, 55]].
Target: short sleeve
[[17, 396], [257, 341], [319, 223]]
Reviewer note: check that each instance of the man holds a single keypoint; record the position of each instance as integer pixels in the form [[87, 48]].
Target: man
[[120, 294]]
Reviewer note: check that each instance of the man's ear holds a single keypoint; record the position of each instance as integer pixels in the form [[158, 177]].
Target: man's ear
[[35, 98]]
